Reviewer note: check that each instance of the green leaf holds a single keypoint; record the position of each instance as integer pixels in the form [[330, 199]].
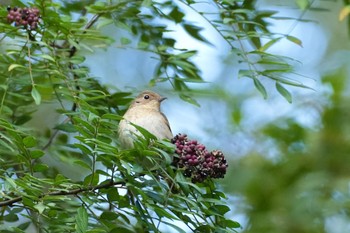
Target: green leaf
[[244, 73], [176, 15], [83, 164], [147, 3], [66, 127], [11, 217], [231, 224], [29, 141], [295, 40], [108, 215], [13, 66], [81, 220], [45, 56], [284, 92], [302, 4], [91, 179], [125, 41], [220, 209], [194, 31], [189, 99], [113, 195], [269, 44], [36, 96], [24, 226], [40, 207], [35, 154], [164, 213], [77, 59], [204, 229], [260, 87], [40, 167], [103, 22]]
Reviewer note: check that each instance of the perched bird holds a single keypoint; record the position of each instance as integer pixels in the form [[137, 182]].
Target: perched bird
[[144, 111]]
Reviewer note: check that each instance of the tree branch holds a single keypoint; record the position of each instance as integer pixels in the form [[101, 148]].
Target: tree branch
[[9, 202]]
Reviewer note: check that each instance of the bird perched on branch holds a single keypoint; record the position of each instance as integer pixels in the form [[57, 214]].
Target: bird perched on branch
[[144, 111]]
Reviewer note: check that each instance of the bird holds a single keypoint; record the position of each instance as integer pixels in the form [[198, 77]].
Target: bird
[[144, 111]]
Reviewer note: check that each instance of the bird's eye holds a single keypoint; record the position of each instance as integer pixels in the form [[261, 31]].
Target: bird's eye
[[146, 97]]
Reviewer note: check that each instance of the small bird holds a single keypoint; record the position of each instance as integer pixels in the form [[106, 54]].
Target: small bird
[[144, 111]]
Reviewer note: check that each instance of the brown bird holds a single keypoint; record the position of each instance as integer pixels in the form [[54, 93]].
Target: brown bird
[[144, 111]]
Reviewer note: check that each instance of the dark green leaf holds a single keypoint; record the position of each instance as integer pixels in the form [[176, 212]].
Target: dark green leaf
[[220, 209], [91, 179], [11, 217], [24, 226], [164, 213], [176, 15], [194, 31], [113, 195], [204, 229], [108, 215], [231, 224]]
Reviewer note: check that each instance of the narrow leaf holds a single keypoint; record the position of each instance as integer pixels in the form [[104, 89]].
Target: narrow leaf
[[295, 40], [189, 99], [269, 44], [260, 87], [13, 66], [81, 220], [36, 96], [194, 31], [284, 92], [46, 56]]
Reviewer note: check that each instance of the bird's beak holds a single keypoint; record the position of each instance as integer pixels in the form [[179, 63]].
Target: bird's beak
[[163, 98]]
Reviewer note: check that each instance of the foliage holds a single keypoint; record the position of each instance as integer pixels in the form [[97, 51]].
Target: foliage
[[311, 187], [108, 189]]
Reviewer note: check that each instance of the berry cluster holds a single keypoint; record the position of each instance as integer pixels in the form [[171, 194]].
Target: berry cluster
[[197, 162], [26, 17]]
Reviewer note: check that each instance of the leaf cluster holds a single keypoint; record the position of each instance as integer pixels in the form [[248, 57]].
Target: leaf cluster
[[112, 191], [74, 176]]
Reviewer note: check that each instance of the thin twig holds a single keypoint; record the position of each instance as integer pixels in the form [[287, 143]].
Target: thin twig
[[66, 193]]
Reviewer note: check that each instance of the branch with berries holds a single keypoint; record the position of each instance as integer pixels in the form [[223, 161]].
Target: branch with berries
[[26, 17], [196, 161]]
